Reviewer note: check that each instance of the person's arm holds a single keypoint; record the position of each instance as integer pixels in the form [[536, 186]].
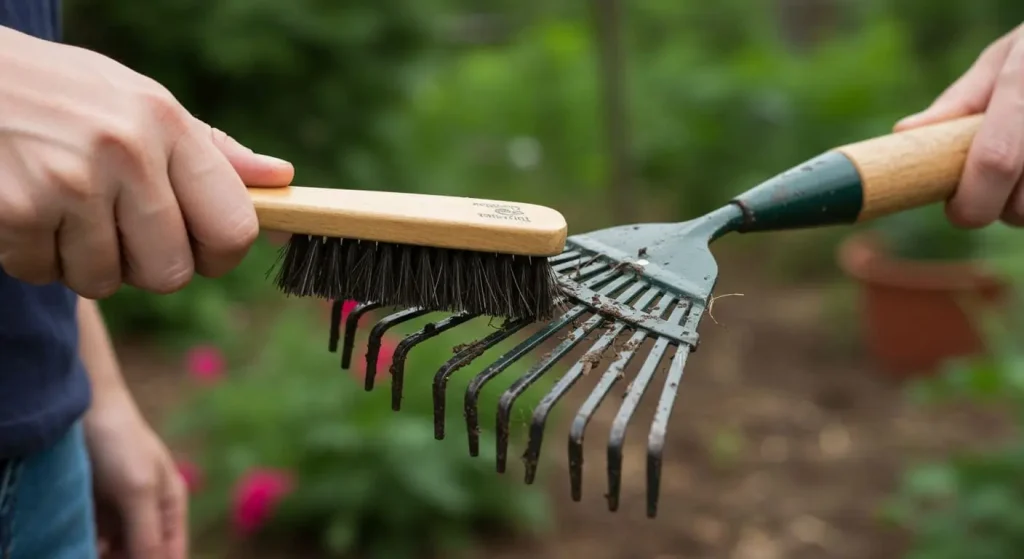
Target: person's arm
[[141, 498], [100, 361]]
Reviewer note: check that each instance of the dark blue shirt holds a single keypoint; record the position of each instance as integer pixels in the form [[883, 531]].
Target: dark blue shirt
[[43, 386]]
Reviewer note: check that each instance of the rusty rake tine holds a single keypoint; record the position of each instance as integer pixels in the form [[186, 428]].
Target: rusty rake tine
[[332, 343], [538, 370], [636, 391], [351, 323], [540, 414], [659, 426], [405, 346], [601, 391], [377, 334], [463, 358], [477, 383]]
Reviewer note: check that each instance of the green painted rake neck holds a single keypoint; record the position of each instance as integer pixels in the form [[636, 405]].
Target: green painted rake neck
[[825, 190]]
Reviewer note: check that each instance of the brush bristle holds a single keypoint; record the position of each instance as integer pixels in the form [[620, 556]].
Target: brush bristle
[[408, 276]]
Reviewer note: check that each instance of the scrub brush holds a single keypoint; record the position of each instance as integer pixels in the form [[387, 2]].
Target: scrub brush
[[432, 252]]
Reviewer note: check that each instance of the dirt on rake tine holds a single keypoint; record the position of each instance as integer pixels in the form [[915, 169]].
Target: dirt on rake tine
[[659, 427]]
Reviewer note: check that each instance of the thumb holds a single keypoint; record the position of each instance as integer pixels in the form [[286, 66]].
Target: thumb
[[254, 169]]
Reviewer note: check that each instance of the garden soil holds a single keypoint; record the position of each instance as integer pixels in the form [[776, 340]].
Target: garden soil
[[784, 443]]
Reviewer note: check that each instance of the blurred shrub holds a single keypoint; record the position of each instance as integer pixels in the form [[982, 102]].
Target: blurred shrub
[[972, 504], [343, 470]]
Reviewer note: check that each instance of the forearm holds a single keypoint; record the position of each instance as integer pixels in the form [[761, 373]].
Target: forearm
[[99, 359]]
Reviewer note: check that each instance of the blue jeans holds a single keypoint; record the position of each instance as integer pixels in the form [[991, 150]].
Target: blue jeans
[[46, 508]]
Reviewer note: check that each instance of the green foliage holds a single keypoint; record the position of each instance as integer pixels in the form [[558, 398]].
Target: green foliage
[[369, 478], [973, 503]]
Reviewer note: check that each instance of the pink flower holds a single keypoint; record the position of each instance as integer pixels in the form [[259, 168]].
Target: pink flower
[[205, 363], [346, 307], [192, 475], [384, 358], [256, 495]]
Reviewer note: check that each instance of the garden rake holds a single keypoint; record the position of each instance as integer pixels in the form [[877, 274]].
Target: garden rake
[[632, 284]]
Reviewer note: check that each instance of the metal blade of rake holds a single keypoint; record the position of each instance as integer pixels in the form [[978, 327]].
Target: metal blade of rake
[[373, 342], [516, 353], [518, 387], [589, 362], [629, 405]]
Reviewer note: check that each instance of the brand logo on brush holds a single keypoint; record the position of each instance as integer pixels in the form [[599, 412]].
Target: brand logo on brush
[[505, 212]]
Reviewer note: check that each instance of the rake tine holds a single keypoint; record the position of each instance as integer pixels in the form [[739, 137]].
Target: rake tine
[[516, 353], [377, 333], [351, 323], [659, 426], [633, 395], [332, 343], [600, 392], [538, 370], [405, 346], [466, 355], [592, 358]]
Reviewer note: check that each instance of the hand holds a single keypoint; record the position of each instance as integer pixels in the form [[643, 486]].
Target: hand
[[105, 179], [141, 499], [992, 186]]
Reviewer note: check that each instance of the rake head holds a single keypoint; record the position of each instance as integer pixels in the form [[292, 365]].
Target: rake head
[[608, 296]]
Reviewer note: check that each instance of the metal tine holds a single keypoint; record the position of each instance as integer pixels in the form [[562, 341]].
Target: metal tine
[[474, 350], [405, 346], [377, 334], [659, 425], [463, 358], [588, 362], [603, 388], [629, 405], [336, 307], [516, 353], [517, 388], [351, 323]]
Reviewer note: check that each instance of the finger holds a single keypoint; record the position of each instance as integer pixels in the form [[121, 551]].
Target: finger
[[89, 250], [253, 168], [154, 242], [144, 528], [995, 160], [30, 257], [217, 208], [969, 94], [174, 509], [277, 238]]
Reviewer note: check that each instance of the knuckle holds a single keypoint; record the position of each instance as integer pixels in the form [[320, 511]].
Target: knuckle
[[19, 212], [100, 289], [72, 180], [997, 158], [241, 232], [162, 106], [170, 279]]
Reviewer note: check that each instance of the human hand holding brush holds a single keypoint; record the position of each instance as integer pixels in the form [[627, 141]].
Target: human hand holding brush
[[106, 180]]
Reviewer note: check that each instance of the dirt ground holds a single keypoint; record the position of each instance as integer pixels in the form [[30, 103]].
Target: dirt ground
[[783, 443]]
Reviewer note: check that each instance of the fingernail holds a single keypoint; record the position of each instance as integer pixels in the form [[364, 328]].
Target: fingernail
[[909, 119]]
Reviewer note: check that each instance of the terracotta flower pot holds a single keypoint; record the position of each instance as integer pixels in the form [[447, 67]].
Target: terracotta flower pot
[[915, 315]]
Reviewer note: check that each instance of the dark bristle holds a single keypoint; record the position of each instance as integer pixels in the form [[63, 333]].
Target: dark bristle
[[396, 275]]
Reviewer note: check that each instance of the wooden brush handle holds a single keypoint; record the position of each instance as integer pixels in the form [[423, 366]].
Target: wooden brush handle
[[449, 222], [912, 168]]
